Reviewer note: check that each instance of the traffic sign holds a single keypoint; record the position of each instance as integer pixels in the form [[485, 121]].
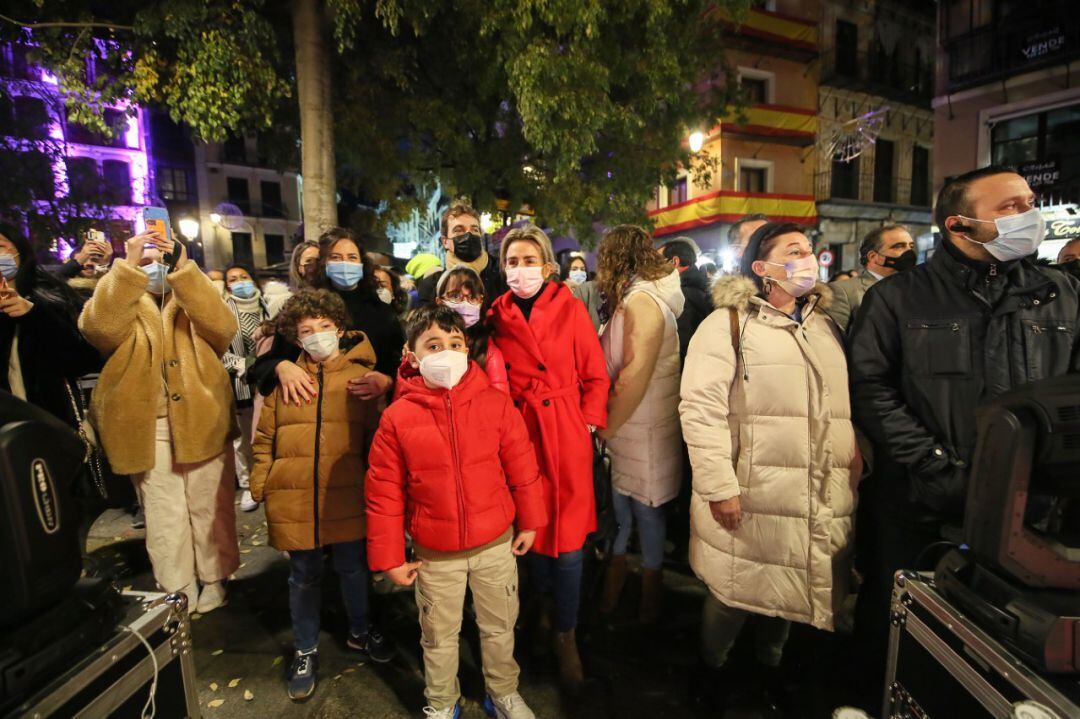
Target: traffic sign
[[825, 258]]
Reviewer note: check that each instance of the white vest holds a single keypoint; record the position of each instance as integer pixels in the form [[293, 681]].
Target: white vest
[[646, 454]]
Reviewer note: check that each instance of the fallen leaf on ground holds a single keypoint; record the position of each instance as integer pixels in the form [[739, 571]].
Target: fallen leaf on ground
[[255, 543], [213, 686], [245, 551], [217, 652], [216, 703], [350, 670], [233, 683], [337, 677], [248, 696], [277, 660]]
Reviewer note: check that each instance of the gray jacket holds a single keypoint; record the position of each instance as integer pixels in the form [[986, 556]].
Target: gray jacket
[[847, 297]]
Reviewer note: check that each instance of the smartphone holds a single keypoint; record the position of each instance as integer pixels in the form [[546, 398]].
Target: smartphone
[[95, 236], [157, 220]]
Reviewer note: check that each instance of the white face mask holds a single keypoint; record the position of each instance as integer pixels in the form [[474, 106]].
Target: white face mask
[[1018, 235], [802, 275], [444, 369], [321, 345], [385, 295]]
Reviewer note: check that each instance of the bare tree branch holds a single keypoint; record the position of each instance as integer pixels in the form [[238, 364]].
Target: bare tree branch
[[43, 25]]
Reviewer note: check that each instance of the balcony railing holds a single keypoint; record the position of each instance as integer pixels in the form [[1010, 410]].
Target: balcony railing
[[729, 206], [1013, 45], [864, 187], [878, 74], [251, 208]]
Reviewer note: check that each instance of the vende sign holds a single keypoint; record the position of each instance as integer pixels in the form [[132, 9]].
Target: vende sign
[[1041, 174]]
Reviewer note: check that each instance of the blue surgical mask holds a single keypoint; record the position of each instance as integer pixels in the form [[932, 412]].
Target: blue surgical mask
[[579, 276], [345, 275], [156, 272], [8, 266], [244, 289]]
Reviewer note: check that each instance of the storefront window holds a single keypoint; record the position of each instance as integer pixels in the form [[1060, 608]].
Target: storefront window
[[1045, 148]]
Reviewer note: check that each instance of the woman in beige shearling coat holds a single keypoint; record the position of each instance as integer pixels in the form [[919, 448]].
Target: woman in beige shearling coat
[[162, 409], [766, 416]]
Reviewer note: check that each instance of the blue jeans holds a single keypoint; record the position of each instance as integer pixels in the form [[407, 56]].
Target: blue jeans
[[651, 527], [305, 590], [560, 577]]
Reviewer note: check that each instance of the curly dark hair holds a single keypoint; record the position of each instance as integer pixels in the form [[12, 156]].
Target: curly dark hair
[[626, 254], [311, 303]]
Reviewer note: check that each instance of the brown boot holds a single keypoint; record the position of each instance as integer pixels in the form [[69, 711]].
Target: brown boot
[[652, 596], [614, 579], [571, 673]]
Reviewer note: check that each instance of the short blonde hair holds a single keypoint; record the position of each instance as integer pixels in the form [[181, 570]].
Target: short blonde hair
[[528, 233]]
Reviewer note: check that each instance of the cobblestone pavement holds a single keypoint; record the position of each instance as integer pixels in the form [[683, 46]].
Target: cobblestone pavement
[[244, 648]]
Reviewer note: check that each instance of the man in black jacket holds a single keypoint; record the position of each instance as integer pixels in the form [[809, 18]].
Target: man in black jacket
[[464, 244], [927, 348], [681, 252]]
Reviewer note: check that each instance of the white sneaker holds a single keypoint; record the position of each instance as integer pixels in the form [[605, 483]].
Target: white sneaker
[[449, 713], [211, 597], [511, 706], [247, 504], [191, 591]]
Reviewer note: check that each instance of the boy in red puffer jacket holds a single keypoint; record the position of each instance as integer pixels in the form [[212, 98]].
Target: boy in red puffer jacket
[[452, 464]]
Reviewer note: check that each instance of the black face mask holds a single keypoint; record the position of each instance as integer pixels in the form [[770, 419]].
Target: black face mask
[[903, 263], [1072, 267], [468, 247]]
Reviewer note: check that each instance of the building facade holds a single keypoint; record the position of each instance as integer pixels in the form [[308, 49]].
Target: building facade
[[876, 80], [765, 153], [66, 178], [1006, 95]]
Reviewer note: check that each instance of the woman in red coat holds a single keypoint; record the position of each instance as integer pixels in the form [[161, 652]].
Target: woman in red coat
[[559, 383]]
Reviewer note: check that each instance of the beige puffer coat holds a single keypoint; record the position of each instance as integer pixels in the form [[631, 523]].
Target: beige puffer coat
[[772, 426], [641, 348]]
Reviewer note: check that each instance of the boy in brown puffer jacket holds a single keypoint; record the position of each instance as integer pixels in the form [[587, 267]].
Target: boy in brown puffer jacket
[[309, 466]]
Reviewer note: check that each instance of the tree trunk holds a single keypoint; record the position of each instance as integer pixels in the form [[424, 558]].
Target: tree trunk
[[316, 119]]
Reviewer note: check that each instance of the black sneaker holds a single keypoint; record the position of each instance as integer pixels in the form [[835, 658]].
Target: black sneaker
[[302, 675], [372, 645]]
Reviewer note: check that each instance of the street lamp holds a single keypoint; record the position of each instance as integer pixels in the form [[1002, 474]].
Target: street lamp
[[189, 228], [215, 217], [696, 140]]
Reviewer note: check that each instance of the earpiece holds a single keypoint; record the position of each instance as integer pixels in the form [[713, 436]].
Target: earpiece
[[958, 227]]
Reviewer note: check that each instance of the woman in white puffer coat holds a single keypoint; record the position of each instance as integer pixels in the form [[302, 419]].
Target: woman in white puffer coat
[[643, 298], [767, 419]]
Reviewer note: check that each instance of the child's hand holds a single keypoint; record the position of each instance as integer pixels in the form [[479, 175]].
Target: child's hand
[[371, 386], [523, 541], [404, 575]]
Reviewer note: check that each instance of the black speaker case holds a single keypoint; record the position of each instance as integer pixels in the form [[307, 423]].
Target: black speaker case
[[114, 680], [941, 665]]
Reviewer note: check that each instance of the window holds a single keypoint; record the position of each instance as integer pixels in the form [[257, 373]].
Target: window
[[847, 48], [678, 192], [756, 85], [275, 248], [755, 89], [117, 176], [20, 66], [174, 183], [845, 179], [117, 121], [920, 176], [37, 172], [884, 152], [237, 189], [31, 118], [272, 205], [84, 183], [235, 150], [753, 179], [241, 248], [1044, 147]]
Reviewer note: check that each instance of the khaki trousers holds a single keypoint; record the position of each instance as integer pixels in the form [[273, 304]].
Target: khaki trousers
[[190, 516], [491, 573]]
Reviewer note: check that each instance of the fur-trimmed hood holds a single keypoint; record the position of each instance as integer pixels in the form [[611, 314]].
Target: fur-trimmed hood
[[737, 291]]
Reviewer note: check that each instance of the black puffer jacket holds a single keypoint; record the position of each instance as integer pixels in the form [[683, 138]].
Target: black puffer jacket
[[930, 345], [698, 306]]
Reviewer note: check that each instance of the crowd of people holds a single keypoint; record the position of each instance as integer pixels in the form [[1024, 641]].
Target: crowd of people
[[798, 441]]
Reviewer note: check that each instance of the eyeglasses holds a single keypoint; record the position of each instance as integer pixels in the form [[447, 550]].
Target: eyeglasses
[[459, 297]]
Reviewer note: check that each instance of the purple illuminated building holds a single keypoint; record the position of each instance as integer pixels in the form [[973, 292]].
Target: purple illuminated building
[[104, 181]]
